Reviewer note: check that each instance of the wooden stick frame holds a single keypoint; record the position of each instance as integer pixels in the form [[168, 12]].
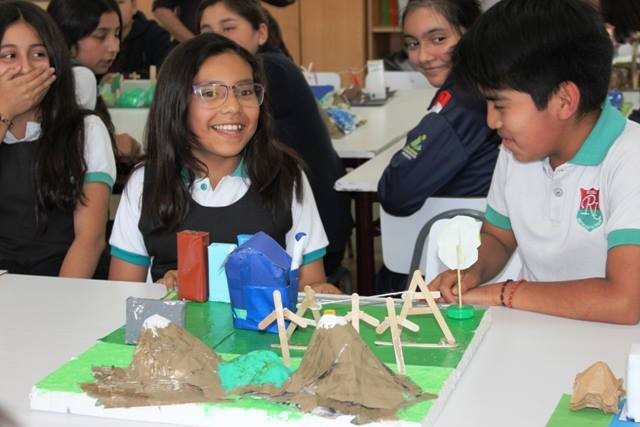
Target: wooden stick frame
[[278, 315], [418, 291]]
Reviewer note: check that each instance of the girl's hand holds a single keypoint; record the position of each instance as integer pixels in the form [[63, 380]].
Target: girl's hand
[[20, 93], [170, 280], [326, 288], [129, 150]]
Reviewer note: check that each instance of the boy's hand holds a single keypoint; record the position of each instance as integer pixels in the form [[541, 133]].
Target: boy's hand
[[170, 280], [20, 93], [447, 283]]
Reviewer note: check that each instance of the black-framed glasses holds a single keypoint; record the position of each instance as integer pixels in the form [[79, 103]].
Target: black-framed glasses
[[214, 94]]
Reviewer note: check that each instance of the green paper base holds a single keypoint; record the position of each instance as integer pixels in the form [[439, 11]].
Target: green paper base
[[563, 416], [461, 312]]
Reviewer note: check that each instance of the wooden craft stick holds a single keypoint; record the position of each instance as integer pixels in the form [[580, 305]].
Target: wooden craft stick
[[395, 335], [355, 312], [291, 347], [267, 320], [437, 314], [282, 332], [418, 344]]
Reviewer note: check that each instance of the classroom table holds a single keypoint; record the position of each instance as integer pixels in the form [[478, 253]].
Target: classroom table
[[520, 370], [362, 182]]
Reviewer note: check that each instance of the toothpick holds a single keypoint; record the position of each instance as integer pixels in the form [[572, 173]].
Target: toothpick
[[395, 335], [459, 275]]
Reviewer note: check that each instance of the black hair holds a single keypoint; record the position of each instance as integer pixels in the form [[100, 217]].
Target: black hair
[[79, 18], [59, 166], [252, 11], [533, 46], [272, 167], [461, 14], [624, 15]]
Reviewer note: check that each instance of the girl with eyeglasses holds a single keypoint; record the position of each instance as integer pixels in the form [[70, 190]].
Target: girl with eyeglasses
[[297, 120], [212, 165]]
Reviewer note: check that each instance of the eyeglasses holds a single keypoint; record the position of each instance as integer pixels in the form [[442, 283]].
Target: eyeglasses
[[214, 94]]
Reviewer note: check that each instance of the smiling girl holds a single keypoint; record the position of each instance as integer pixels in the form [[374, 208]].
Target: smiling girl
[[56, 161], [212, 165]]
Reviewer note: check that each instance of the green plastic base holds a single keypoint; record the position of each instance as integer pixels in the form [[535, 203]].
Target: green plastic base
[[460, 312]]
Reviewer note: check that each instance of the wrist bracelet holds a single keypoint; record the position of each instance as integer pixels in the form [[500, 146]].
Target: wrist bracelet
[[513, 292], [7, 121], [504, 286]]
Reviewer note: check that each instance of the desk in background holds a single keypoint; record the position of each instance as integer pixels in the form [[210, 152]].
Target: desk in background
[[519, 372]]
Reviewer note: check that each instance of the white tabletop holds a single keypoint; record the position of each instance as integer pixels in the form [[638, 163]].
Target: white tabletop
[[365, 177], [521, 368], [385, 124]]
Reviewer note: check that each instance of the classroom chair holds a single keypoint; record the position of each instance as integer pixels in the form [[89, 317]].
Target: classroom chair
[[398, 234]]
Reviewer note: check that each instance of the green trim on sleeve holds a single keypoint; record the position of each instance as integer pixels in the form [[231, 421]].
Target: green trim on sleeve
[[625, 236], [130, 257], [497, 218], [103, 177], [313, 256]]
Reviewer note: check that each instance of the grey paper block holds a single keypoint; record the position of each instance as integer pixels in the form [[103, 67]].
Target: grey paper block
[[139, 309]]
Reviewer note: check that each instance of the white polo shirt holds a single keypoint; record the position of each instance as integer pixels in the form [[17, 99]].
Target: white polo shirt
[[127, 242], [565, 220], [98, 152]]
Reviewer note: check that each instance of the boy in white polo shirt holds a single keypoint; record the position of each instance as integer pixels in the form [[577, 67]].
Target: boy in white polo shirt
[[566, 188]]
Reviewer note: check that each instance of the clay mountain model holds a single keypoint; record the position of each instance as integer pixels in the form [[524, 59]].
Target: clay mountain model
[[340, 372], [169, 366]]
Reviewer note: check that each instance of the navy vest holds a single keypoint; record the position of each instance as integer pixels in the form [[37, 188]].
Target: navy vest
[[224, 223], [26, 246]]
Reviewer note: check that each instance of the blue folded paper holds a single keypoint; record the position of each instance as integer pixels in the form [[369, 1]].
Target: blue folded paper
[[254, 270]]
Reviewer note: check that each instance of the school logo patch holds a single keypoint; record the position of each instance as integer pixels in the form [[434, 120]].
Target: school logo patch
[[589, 214], [413, 148]]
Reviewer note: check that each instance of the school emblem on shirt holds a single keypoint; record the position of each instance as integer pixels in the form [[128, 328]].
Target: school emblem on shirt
[[589, 214], [413, 148]]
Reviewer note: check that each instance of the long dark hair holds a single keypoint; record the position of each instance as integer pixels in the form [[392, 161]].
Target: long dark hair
[[59, 165], [252, 11], [78, 19], [171, 166], [460, 14]]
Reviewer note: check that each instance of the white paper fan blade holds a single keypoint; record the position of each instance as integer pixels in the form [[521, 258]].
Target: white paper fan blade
[[462, 231]]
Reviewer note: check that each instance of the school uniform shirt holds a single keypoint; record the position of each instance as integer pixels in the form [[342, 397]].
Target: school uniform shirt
[[86, 87], [233, 202], [27, 247], [298, 124], [146, 44], [187, 11], [452, 152], [565, 220]]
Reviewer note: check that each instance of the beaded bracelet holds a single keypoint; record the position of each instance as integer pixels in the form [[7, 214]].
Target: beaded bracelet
[[504, 286], [513, 292]]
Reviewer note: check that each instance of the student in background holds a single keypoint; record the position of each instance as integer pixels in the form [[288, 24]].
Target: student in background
[[212, 165], [297, 120], [566, 189], [56, 161], [144, 43], [179, 17], [92, 32], [452, 151]]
